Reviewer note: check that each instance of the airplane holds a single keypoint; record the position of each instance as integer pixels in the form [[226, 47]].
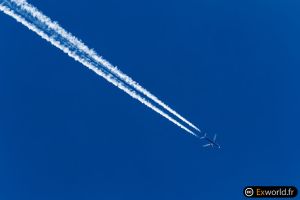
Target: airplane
[[211, 142]]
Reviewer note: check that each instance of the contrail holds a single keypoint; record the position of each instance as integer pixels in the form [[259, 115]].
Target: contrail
[[80, 45], [30, 17]]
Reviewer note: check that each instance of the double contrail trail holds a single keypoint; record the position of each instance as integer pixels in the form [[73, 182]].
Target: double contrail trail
[[52, 32]]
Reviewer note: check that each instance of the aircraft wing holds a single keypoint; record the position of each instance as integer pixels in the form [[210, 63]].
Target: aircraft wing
[[215, 137], [207, 145]]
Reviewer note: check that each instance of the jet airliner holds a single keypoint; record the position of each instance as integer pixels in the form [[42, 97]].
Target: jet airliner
[[211, 142]]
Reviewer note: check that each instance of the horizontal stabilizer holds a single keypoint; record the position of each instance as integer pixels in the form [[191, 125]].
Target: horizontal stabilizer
[[203, 137]]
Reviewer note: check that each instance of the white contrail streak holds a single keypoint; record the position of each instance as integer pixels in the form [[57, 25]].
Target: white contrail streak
[[81, 58], [80, 45]]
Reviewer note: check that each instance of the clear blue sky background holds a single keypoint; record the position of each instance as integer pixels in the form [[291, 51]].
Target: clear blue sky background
[[231, 67]]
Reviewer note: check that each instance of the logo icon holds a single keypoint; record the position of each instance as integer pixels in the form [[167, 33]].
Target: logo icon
[[249, 192]]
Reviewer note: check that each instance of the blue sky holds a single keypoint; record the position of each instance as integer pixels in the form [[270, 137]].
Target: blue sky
[[231, 67]]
